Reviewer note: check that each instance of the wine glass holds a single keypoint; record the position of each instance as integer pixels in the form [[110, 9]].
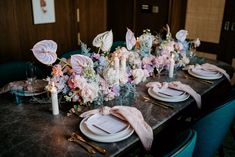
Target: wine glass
[[30, 73]]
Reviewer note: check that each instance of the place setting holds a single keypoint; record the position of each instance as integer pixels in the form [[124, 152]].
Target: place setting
[[168, 94], [206, 71], [105, 128], [174, 91], [114, 124]]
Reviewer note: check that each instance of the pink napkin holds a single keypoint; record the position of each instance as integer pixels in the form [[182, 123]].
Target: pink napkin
[[133, 116], [209, 67], [179, 86]]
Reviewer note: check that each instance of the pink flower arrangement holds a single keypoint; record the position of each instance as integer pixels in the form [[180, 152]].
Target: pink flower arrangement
[[91, 77]]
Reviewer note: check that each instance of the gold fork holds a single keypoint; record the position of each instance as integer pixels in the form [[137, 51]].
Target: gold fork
[[99, 149], [88, 148], [161, 104]]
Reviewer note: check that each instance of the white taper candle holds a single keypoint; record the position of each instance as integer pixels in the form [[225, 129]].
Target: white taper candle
[[54, 99], [172, 66]]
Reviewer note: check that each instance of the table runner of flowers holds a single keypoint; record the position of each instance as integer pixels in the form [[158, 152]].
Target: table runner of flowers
[[94, 77]]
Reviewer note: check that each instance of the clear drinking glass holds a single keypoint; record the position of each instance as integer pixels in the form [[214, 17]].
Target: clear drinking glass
[[30, 73]]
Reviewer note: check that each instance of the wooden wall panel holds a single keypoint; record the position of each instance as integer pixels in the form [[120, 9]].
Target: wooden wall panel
[[150, 20], [177, 15], [93, 15], [119, 18], [9, 32], [19, 34], [204, 19]]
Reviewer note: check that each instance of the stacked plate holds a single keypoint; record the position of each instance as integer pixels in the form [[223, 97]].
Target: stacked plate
[[205, 74], [168, 94], [105, 128]]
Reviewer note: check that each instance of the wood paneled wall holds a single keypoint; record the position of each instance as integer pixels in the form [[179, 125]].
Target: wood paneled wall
[[93, 19], [120, 16], [18, 33], [177, 15], [128, 13]]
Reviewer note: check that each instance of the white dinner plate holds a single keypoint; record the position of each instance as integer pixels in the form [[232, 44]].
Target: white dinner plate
[[156, 96], [92, 120], [216, 76], [106, 139], [206, 73]]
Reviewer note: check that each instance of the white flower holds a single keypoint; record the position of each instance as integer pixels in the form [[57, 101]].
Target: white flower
[[130, 39], [184, 60], [78, 62], [90, 92], [45, 51], [110, 76], [123, 77], [139, 75], [196, 42], [146, 41], [181, 35], [134, 59], [104, 40]]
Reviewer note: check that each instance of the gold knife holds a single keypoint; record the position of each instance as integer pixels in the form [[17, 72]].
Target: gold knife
[[99, 149], [88, 148]]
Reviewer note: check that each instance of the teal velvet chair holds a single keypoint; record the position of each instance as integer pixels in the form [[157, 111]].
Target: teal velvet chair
[[212, 128], [174, 142], [12, 71], [70, 53], [185, 143], [117, 44], [16, 70]]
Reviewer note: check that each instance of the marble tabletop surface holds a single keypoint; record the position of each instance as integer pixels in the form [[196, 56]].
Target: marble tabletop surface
[[30, 129]]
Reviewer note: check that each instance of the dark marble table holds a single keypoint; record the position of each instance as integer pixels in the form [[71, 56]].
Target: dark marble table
[[30, 129]]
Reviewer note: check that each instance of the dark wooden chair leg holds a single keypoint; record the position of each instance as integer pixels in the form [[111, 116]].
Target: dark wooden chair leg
[[232, 129], [221, 151]]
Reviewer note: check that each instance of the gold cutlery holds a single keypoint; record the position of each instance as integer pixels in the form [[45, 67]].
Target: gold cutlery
[[161, 104], [99, 149], [202, 81], [88, 148]]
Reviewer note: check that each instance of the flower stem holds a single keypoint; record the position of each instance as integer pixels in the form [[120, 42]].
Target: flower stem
[[66, 63], [100, 47]]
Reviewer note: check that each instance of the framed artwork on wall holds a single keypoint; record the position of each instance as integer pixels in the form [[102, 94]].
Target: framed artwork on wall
[[43, 11]]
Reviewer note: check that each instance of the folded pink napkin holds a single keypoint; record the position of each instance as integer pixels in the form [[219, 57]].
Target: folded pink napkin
[[179, 86], [209, 67], [133, 116]]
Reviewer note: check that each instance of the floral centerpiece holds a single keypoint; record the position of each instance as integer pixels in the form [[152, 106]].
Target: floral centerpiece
[[94, 77]]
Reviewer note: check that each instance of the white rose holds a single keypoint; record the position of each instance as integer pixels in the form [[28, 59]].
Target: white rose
[[181, 35], [138, 75], [197, 42], [110, 76]]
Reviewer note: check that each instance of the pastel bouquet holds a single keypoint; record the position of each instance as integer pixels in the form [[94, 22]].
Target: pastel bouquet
[[96, 76]]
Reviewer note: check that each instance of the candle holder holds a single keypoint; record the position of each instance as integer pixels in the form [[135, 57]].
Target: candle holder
[[173, 77]]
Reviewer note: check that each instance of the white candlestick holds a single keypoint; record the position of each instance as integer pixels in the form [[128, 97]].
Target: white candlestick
[[54, 99], [116, 67], [172, 65], [116, 62], [123, 63]]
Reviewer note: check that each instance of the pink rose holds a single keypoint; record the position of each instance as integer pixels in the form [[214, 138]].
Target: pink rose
[[57, 70]]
